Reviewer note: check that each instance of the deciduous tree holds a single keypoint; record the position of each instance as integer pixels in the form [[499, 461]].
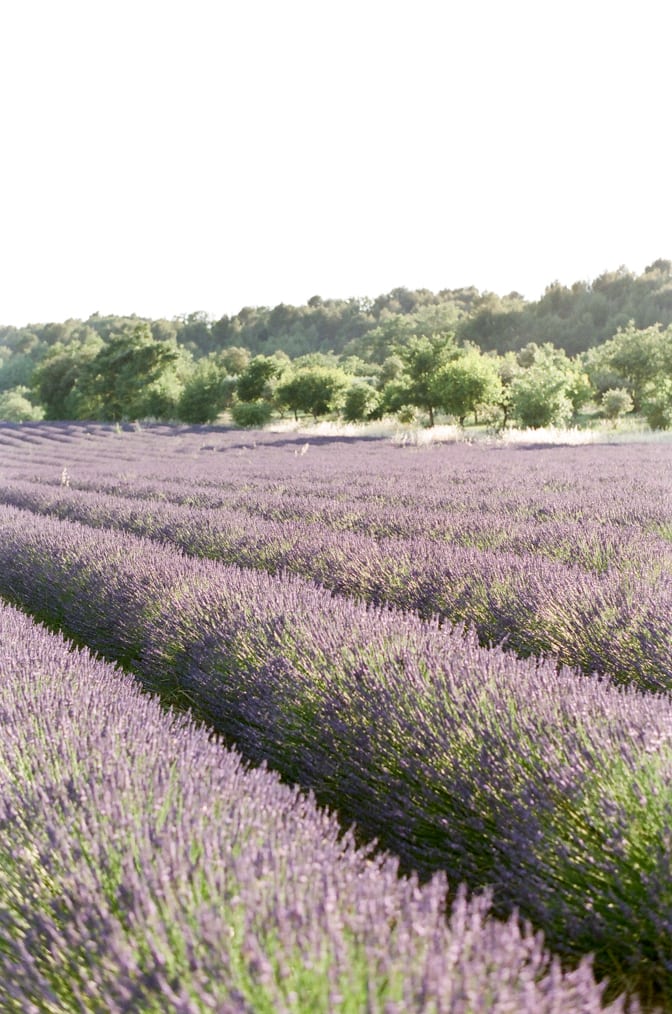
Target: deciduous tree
[[207, 392], [314, 390], [256, 380], [362, 402], [542, 392], [133, 377], [423, 357], [16, 406], [464, 384]]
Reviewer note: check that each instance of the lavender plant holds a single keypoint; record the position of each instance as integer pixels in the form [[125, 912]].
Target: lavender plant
[[543, 784], [616, 622], [143, 868]]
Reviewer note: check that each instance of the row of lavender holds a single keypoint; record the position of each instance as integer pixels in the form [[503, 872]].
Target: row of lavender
[[357, 484], [143, 868], [618, 622], [593, 536], [548, 785]]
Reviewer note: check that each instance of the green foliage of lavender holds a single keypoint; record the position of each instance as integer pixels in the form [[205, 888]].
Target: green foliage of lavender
[[144, 869]]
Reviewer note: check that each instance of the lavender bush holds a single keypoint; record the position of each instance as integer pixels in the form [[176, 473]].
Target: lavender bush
[[563, 552], [610, 615], [143, 868], [544, 784]]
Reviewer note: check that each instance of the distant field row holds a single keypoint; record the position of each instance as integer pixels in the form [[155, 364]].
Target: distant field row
[[568, 556]]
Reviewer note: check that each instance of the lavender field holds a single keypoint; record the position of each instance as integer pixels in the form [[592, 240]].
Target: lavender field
[[463, 651]]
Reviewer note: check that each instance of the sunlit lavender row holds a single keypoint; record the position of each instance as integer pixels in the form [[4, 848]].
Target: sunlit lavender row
[[547, 785], [602, 509], [616, 621], [594, 536], [144, 869]]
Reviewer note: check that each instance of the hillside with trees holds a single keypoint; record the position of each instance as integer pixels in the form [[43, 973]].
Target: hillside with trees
[[459, 353]]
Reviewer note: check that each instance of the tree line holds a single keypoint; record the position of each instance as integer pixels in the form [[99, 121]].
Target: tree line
[[413, 354]]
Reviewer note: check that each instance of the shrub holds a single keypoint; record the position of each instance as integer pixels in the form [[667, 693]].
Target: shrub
[[657, 405], [361, 402], [251, 414], [616, 402]]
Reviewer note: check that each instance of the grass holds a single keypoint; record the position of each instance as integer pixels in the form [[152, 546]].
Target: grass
[[594, 431]]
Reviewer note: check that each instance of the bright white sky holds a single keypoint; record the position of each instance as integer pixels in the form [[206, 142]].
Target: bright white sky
[[162, 157]]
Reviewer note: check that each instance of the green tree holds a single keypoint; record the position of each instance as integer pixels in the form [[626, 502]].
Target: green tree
[[541, 393], [466, 383], [207, 392], [234, 360], [602, 376], [423, 357], [314, 390], [16, 371], [580, 391], [362, 402], [327, 359], [160, 399], [257, 379], [527, 356], [539, 399], [133, 377], [56, 378], [391, 369], [657, 403], [357, 367], [378, 342], [194, 332], [395, 397], [508, 369], [16, 406], [638, 356]]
